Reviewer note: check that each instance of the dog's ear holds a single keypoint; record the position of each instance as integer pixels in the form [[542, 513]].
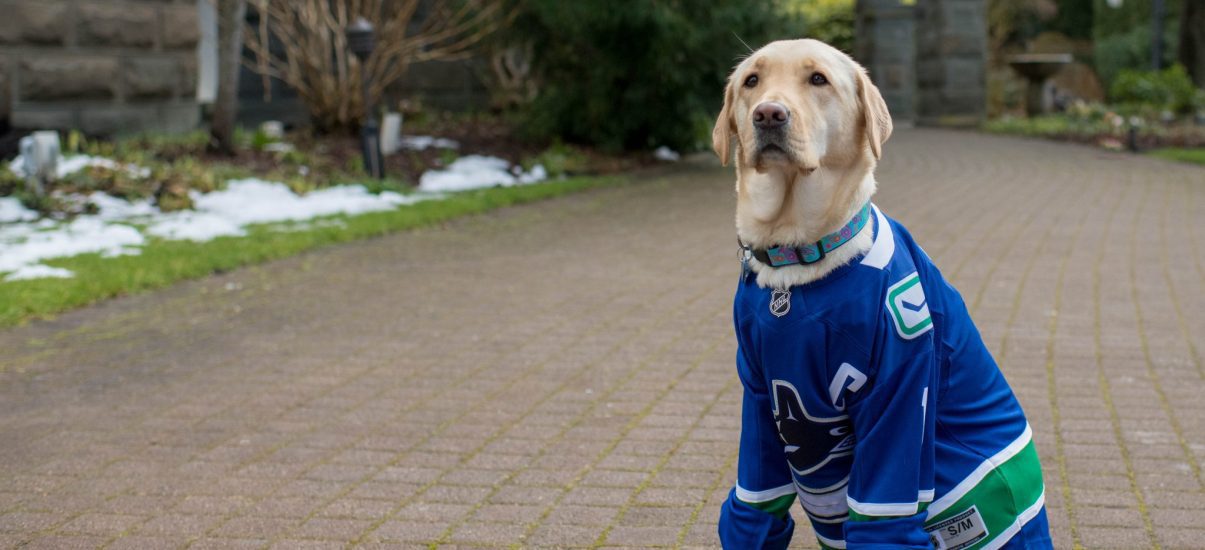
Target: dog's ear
[[876, 119], [725, 126]]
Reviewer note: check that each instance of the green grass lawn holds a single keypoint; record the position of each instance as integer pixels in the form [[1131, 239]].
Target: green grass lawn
[[1196, 156], [163, 262]]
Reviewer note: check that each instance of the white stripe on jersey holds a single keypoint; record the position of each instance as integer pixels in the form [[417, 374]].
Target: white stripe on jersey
[[883, 249], [765, 495]]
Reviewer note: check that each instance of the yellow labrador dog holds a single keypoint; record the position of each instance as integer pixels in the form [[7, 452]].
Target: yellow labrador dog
[[869, 394]]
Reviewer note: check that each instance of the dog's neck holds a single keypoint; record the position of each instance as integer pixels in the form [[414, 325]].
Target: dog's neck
[[788, 207]]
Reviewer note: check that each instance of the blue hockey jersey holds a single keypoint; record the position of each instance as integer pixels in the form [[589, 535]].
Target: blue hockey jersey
[[870, 396]]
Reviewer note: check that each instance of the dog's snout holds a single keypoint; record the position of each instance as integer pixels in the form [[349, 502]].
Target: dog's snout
[[770, 114]]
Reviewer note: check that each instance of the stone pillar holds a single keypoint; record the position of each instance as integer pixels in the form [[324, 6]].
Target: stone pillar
[[885, 46], [951, 67], [101, 66]]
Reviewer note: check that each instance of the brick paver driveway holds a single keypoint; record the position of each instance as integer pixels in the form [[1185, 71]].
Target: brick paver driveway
[[561, 374]]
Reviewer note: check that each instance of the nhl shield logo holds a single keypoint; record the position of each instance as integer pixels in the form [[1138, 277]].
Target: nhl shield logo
[[780, 302]]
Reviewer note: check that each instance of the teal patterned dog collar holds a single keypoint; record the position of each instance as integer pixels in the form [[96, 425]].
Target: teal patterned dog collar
[[783, 255]]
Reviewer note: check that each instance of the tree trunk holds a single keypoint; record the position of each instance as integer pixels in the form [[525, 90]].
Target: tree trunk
[[231, 14], [1192, 39]]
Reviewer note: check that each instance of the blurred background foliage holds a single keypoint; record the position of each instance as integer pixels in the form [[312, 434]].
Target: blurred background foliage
[[831, 21], [1122, 36], [639, 77]]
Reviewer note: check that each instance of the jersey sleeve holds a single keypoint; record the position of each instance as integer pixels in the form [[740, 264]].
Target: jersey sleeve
[[755, 515], [892, 479]]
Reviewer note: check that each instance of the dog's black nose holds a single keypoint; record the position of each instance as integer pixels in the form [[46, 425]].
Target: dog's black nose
[[770, 114]]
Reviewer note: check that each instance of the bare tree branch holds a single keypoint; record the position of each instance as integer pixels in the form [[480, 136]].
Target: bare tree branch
[[316, 62]]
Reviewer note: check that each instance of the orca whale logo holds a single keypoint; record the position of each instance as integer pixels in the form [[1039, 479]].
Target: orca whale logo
[[810, 442]]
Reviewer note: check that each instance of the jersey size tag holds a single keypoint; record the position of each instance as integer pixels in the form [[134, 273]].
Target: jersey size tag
[[960, 531]]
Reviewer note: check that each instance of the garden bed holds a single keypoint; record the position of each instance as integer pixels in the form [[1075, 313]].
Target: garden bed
[[141, 212]]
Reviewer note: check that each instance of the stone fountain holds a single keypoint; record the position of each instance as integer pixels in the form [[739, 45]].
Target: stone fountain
[[1037, 68]]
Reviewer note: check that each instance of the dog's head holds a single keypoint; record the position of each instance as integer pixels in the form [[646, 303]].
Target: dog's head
[[797, 105]]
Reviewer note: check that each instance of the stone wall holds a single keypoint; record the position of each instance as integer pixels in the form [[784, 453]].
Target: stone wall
[[951, 67], [101, 66], [885, 46], [928, 58]]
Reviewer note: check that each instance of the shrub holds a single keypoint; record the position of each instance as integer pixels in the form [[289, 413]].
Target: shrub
[[560, 160], [1122, 36], [640, 76], [1170, 89], [831, 21]]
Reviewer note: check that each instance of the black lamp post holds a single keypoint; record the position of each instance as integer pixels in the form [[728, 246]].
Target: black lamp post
[[361, 40], [1157, 35]]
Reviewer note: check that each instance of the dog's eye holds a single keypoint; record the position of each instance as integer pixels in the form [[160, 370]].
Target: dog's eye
[[751, 81], [818, 79]]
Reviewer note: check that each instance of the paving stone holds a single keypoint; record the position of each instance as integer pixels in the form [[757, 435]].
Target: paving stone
[[358, 508], [1113, 537], [212, 505], [411, 531], [643, 536], [513, 513], [599, 496], [1181, 539], [101, 524], [564, 535], [486, 533], [143, 543], [288, 544], [283, 507], [249, 527], [179, 525], [332, 529], [1099, 516], [66, 542], [28, 522], [578, 514], [456, 493], [1178, 518], [525, 495], [433, 512], [613, 478], [231, 543]]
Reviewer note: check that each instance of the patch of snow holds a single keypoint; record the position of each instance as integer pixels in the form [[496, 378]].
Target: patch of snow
[[537, 174], [478, 171], [194, 226], [257, 201], [112, 208], [248, 201], [11, 210], [71, 164], [22, 252], [419, 143], [406, 200], [23, 246], [666, 154], [39, 271]]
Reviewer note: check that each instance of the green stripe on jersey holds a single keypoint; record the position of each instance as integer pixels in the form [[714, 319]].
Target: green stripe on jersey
[[777, 506], [1001, 497]]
